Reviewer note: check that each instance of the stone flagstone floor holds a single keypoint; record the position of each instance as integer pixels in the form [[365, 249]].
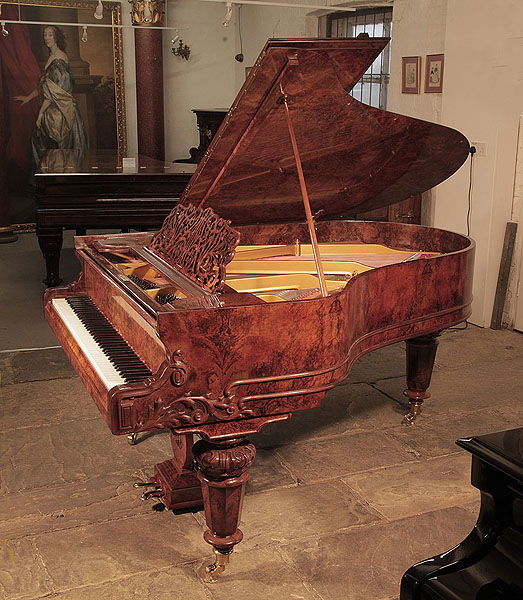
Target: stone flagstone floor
[[341, 501]]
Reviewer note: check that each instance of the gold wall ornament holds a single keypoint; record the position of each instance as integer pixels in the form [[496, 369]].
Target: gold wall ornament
[[147, 12]]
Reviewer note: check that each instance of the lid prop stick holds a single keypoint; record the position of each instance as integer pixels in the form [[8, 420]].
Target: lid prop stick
[[305, 196]]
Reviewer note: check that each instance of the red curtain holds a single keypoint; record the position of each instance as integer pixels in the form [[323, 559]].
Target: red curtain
[[20, 73]]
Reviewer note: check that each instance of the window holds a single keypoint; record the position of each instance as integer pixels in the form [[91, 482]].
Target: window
[[377, 22]]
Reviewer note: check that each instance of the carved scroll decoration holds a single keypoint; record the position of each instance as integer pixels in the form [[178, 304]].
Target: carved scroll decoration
[[197, 242], [152, 405]]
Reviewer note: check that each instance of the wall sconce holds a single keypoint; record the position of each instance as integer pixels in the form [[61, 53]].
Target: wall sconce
[[5, 33], [84, 34], [147, 12], [183, 50]]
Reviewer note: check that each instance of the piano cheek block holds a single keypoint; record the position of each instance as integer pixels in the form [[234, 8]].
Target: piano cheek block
[[124, 415]]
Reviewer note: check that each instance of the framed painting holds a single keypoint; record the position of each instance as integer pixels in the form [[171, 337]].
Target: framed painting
[[410, 74], [63, 88], [434, 73]]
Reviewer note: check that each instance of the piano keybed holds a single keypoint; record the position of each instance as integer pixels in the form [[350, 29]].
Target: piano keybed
[[273, 273]]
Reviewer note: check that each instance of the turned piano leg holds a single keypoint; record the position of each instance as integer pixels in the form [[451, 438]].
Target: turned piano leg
[[421, 353], [223, 472], [174, 482], [50, 240]]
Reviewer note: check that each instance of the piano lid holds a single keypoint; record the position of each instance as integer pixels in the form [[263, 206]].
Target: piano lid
[[355, 157]]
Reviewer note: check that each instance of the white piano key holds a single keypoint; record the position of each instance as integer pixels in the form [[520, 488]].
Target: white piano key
[[102, 365]]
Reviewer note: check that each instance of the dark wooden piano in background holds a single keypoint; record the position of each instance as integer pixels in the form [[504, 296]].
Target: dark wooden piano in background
[[257, 295], [93, 191]]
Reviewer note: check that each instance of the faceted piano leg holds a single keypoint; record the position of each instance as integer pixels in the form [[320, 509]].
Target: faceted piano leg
[[222, 470], [421, 353], [174, 481]]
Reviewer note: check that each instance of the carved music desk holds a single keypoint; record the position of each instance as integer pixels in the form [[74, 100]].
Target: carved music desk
[[258, 293], [93, 191]]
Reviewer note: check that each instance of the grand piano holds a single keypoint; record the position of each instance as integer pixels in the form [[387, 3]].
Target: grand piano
[[258, 293]]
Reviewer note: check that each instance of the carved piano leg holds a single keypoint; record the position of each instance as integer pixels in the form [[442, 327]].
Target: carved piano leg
[[174, 481], [50, 240], [223, 473], [421, 352]]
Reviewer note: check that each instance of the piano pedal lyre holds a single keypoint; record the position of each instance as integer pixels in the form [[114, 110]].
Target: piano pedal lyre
[[213, 571]]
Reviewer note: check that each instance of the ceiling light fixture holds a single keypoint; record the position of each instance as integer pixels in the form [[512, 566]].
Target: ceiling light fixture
[[228, 14], [99, 12]]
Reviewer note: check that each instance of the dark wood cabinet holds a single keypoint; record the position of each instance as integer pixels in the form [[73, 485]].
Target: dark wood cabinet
[[208, 121]]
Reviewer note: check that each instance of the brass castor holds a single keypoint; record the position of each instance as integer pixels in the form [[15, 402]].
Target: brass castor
[[410, 417], [214, 571]]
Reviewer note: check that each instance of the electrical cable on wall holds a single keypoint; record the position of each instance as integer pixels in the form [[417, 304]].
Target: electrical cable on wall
[[471, 170], [239, 57], [472, 152]]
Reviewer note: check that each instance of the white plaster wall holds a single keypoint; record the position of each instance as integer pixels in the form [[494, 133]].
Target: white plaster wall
[[513, 315], [206, 80], [212, 77], [483, 98]]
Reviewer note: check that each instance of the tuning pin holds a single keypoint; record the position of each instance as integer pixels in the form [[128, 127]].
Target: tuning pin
[[84, 34]]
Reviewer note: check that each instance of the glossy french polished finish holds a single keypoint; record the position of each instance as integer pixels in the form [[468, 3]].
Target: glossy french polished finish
[[487, 564], [234, 320]]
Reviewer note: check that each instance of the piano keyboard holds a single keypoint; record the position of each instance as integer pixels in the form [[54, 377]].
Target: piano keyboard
[[109, 354]]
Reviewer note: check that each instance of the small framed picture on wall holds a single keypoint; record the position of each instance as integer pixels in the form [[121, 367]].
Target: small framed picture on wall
[[410, 74], [434, 73]]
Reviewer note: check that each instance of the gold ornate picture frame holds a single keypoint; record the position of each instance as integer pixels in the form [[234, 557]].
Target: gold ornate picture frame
[[86, 88]]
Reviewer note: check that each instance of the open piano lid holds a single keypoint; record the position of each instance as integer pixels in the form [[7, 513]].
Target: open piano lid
[[355, 157]]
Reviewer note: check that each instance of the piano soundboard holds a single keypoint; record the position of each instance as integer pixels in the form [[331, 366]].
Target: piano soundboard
[[272, 273]]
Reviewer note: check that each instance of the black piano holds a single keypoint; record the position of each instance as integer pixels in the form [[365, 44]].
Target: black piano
[[488, 564], [94, 190]]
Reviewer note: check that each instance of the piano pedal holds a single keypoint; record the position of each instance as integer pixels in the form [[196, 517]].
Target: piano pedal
[[139, 484], [156, 493], [131, 438]]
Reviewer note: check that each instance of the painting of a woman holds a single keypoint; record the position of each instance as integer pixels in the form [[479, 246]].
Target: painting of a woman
[[59, 124]]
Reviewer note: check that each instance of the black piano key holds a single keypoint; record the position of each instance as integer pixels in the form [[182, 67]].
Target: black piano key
[[120, 354]]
